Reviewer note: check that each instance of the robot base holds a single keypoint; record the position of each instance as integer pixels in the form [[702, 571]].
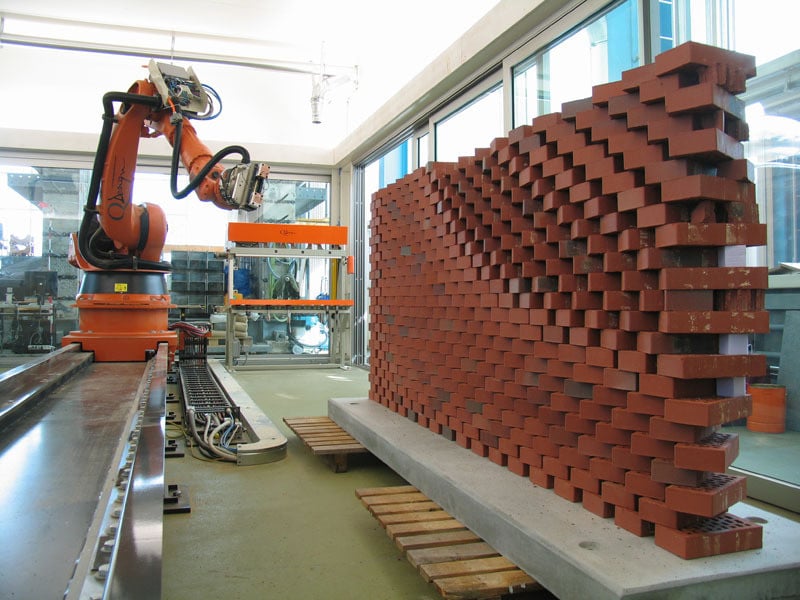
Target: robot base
[[123, 316]]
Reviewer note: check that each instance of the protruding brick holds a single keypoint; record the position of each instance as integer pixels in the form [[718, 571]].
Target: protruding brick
[[715, 453], [710, 498], [706, 412], [721, 535]]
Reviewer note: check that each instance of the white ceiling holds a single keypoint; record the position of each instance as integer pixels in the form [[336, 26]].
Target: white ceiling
[[388, 42]]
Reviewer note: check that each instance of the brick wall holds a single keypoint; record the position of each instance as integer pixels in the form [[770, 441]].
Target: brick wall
[[573, 304]]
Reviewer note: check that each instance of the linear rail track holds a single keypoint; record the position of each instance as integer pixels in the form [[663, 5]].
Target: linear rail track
[[81, 466]]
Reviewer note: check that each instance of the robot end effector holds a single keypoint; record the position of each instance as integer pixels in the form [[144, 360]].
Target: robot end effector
[[242, 186]]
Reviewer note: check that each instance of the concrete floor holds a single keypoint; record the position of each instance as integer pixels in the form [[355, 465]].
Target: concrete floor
[[291, 529]]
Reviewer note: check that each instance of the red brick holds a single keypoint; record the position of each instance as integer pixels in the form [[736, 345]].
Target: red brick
[[661, 214], [594, 411], [711, 498], [712, 278], [665, 471], [540, 478], [621, 380], [642, 484], [599, 206], [721, 535], [634, 320], [645, 445], [702, 366], [616, 339], [584, 480], [594, 504], [600, 357], [588, 445], [575, 424], [608, 434], [605, 470], [638, 197], [638, 362], [610, 396], [566, 490], [517, 467], [529, 457], [622, 418], [635, 239], [552, 466], [562, 436], [714, 453], [690, 54], [572, 457], [706, 412], [707, 187], [653, 342], [709, 145], [616, 494], [623, 458], [716, 322], [664, 429], [656, 511], [630, 520], [588, 374]]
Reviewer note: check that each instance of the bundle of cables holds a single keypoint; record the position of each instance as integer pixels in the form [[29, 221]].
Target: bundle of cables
[[219, 430]]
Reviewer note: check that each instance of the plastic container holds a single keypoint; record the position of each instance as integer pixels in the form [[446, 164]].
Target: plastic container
[[769, 408]]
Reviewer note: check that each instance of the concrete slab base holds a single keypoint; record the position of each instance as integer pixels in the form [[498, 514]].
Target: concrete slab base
[[572, 552]]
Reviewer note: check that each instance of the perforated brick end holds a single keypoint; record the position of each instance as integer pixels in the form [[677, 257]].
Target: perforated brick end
[[723, 534]]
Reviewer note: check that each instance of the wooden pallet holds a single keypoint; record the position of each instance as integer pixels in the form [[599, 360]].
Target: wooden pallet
[[458, 562], [325, 438]]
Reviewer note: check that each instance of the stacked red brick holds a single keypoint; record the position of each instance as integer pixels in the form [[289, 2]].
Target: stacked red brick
[[565, 301]]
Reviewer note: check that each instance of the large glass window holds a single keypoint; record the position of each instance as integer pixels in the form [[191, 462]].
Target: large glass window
[[773, 117], [596, 53], [473, 126], [377, 174], [40, 207]]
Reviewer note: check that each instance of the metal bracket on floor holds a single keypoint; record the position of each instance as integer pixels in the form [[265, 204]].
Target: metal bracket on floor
[[176, 499], [172, 450]]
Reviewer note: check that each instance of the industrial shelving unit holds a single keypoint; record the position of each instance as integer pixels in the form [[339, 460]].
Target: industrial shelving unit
[[197, 283], [262, 240]]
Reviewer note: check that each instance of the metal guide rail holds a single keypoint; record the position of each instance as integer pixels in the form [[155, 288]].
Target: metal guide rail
[[81, 461]]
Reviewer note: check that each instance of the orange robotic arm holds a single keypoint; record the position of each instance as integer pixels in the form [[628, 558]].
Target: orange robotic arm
[[133, 235]]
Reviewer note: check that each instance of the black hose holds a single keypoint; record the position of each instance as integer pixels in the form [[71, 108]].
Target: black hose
[[201, 175], [87, 229]]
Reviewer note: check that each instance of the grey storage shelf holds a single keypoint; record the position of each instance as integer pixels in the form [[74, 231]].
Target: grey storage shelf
[[197, 284]]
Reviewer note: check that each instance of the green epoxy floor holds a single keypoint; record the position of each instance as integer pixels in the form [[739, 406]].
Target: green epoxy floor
[[287, 530]]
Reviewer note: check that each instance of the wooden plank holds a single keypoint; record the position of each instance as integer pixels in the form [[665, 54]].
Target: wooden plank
[[387, 509], [486, 585], [330, 438], [342, 449], [412, 517], [440, 554], [457, 568], [312, 429], [421, 527], [304, 420], [385, 491], [394, 498], [429, 540]]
